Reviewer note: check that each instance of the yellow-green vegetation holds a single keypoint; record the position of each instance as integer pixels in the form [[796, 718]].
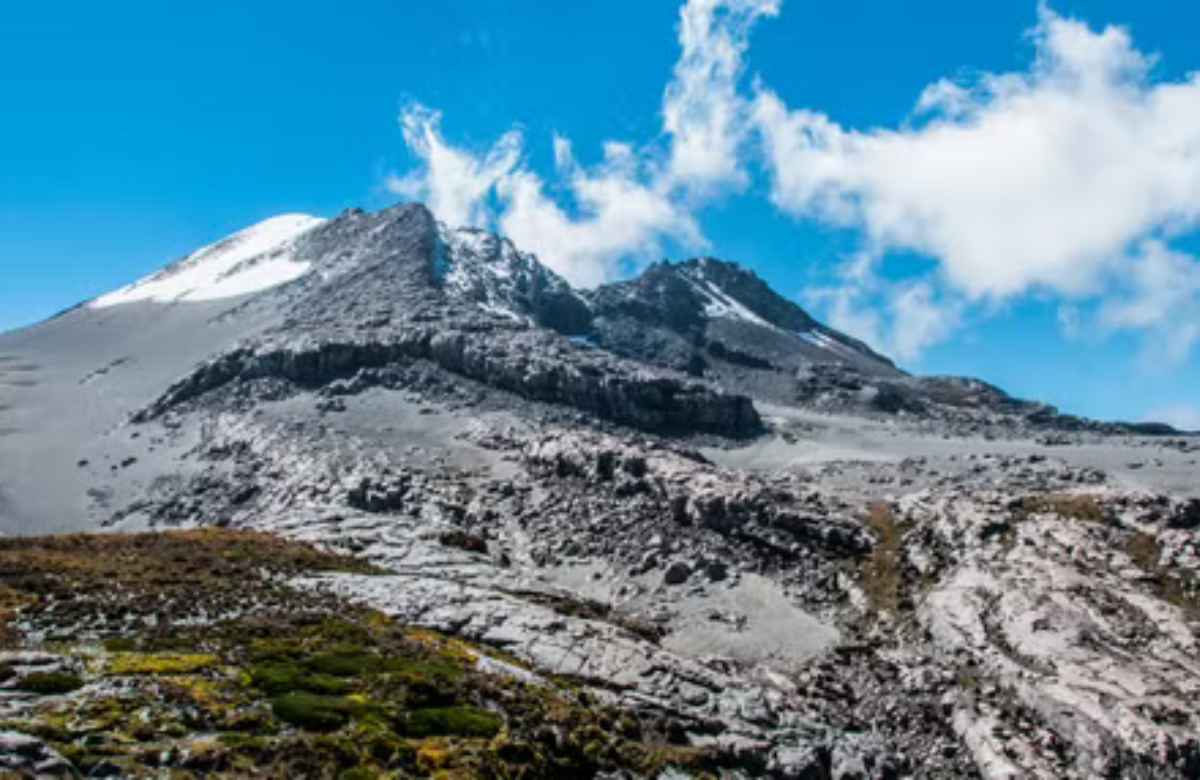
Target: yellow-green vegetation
[[302, 686], [160, 663], [1084, 507], [1174, 587], [881, 575]]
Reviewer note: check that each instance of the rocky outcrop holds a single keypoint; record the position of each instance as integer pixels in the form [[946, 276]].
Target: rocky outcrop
[[490, 272], [26, 756], [525, 363]]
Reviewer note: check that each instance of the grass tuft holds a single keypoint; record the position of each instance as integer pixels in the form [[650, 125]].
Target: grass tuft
[[882, 574]]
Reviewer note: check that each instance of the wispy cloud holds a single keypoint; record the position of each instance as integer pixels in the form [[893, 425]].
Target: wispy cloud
[[637, 197], [900, 318], [1068, 181], [704, 112], [454, 182]]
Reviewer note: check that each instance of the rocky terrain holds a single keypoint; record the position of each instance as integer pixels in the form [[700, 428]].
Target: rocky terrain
[[677, 503]]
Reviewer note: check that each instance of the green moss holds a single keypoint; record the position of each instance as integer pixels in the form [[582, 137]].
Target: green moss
[[413, 669], [286, 677], [168, 644], [361, 773], [460, 721], [345, 662], [311, 711], [6, 672], [50, 683], [244, 741], [120, 644]]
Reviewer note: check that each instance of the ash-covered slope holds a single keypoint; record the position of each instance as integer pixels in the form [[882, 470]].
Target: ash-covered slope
[[362, 300], [680, 494]]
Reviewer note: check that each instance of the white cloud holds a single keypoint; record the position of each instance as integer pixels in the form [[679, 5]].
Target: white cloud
[[635, 199], [900, 318], [1183, 417], [453, 182], [1160, 295], [618, 215], [620, 209], [704, 114], [1047, 180]]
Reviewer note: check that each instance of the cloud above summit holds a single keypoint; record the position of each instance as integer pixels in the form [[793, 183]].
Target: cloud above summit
[[1071, 179], [637, 197]]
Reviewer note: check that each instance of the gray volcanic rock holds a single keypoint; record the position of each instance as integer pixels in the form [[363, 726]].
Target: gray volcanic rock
[[489, 271], [391, 289], [680, 491], [709, 315], [523, 362]]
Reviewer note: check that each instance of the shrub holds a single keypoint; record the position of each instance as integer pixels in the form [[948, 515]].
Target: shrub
[[50, 683], [345, 662], [284, 677], [461, 721], [311, 711], [120, 644]]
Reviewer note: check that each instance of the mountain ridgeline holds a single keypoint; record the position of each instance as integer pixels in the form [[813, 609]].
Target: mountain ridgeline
[[397, 285]]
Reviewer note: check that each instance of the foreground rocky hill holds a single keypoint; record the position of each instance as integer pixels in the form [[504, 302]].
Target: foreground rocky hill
[[676, 503], [208, 661]]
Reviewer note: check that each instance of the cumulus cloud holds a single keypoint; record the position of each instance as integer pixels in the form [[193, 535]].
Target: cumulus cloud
[[635, 198], [1017, 180], [1052, 179]]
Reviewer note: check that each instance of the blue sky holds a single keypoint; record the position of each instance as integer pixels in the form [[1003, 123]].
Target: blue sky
[[135, 132]]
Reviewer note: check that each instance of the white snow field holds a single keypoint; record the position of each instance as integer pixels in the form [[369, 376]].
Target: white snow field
[[255, 259]]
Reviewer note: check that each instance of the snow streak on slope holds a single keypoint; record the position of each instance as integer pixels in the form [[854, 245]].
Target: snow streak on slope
[[254, 259], [720, 304], [491, 272]]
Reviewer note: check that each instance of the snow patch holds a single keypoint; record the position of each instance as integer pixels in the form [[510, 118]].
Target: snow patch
[[819, 339], [719, 304], [255, 259], [487, 270]]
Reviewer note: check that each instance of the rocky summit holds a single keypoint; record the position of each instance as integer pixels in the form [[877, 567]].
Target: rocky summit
[[374, 497]]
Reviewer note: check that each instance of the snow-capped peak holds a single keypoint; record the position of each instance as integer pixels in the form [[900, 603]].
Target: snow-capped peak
[[251, 260]]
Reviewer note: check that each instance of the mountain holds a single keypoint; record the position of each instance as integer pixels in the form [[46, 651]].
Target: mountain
[[675, 519]]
